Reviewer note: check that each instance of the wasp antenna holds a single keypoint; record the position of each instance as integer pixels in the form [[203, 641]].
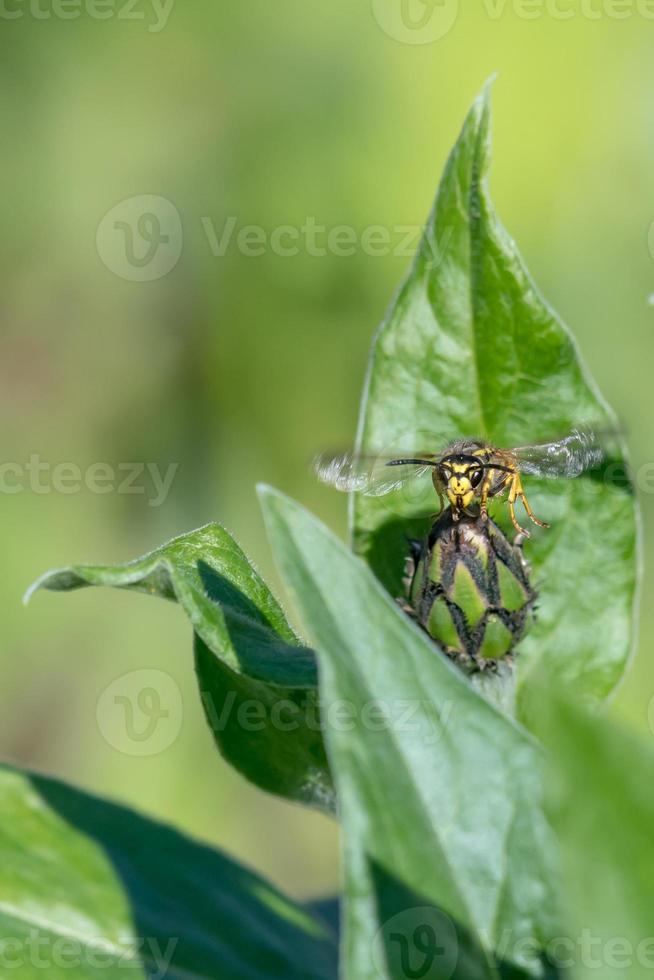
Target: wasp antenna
[[412, 462]]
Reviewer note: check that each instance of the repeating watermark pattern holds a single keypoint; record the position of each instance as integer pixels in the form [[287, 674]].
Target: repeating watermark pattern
[[564, 10], [420, 718], [416, 944], [44, 951], [141, 238], [153, 14], [42, 477], [416, 21], [426, 21], [421, 943], [141, 713], [587, 950], [315, 239]]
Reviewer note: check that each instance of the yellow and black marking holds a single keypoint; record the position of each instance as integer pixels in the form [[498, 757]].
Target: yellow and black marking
[[468, 587], [473, 473], [467, 473]]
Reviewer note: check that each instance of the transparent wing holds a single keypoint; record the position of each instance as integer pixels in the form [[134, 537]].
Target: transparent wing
[[371, 475], [569, 457]]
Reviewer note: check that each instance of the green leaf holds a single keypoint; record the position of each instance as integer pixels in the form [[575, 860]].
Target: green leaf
[[251, 670], [602, 806], [89, 889], [470, 348], [439, 791]]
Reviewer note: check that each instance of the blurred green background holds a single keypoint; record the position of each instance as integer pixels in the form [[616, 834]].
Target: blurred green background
[[239, 367]]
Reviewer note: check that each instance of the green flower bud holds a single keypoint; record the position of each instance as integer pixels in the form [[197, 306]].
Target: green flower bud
[[468, 587]]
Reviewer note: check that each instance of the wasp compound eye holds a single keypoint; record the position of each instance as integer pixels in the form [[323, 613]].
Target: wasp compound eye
[[469, 589], [475, 477]]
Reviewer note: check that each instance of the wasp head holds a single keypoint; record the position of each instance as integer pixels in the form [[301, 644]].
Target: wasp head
[[461, 476]]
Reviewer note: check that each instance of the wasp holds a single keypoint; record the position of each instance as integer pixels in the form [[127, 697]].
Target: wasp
[[468, 473]]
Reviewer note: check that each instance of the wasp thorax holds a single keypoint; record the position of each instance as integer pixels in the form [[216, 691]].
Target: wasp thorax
[[469, 588]]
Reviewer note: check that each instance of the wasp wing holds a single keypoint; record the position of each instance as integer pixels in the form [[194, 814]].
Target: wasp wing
[[372, 475], [568, 458]]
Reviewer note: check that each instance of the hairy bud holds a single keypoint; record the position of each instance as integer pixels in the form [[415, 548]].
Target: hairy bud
[[468, 587]]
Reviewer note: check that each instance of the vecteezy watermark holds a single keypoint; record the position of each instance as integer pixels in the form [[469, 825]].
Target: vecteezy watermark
[[411, 716], [43, 951], [426, 21], [42, 477], [416, 944], [416, 21], [141, 712], [422, 942], [571, 9], [317, 240], [587, 950], [153, 13], [141, 238]]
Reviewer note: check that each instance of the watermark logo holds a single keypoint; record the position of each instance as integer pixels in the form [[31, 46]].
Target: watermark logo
[[416, 944], [406, 716], [426, 21], [39, 952], [587, 950], [317, 240], [42, 477], [140, 239], [141, 712], [416, 21], [153, 13]]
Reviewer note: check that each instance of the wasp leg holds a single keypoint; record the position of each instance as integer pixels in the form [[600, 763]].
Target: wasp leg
[[483, 503], [517, 492], [530, 513]]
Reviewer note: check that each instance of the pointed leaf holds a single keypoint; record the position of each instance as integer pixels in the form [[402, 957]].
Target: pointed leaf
[[246, 654], [470, 348], [439, 791]]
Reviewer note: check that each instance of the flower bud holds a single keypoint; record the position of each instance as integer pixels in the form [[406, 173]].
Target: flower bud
[[468, 587]]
